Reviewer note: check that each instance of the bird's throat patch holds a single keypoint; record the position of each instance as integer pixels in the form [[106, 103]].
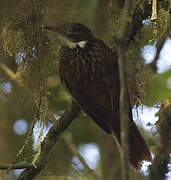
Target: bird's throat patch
[[72, 44]]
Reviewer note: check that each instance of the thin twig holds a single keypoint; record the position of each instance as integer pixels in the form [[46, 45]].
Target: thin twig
[[15, 166], [67, 140], [23, 147], [12, 75], [50, 141]]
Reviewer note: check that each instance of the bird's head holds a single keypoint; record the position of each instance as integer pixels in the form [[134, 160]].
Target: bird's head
[[72, 34]]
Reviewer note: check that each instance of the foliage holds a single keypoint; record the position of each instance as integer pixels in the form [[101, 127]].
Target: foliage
[[158, 88]]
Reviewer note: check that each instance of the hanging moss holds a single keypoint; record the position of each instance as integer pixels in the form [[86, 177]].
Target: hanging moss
[[24, 38]]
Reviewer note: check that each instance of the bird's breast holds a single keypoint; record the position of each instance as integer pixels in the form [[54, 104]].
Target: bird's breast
[[80, 67]]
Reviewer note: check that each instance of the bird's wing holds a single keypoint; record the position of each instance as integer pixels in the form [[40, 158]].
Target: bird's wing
[[101, 102], [100, 98]]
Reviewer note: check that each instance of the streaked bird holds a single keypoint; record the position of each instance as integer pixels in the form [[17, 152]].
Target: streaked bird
[[89, 69]]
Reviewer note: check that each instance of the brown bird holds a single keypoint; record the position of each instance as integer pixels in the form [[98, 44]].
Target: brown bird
[[89, 69]]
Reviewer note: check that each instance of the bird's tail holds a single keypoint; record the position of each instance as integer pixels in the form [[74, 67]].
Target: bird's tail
[[138, 149]]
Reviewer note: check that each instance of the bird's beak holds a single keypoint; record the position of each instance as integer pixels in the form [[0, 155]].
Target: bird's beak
[[57, 29], [60, 33]]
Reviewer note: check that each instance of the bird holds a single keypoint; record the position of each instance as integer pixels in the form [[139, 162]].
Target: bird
[[89, 69]]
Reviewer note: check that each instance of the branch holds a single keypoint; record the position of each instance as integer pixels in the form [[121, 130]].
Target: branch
[[22, 148], [8, 72], [49, 142], [159, 167], [67, 140], [12, 75], [126, 21], [15, 166]]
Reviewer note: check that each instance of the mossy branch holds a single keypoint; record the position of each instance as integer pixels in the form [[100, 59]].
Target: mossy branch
[[16, 166], [49, 142], [159, 167]]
